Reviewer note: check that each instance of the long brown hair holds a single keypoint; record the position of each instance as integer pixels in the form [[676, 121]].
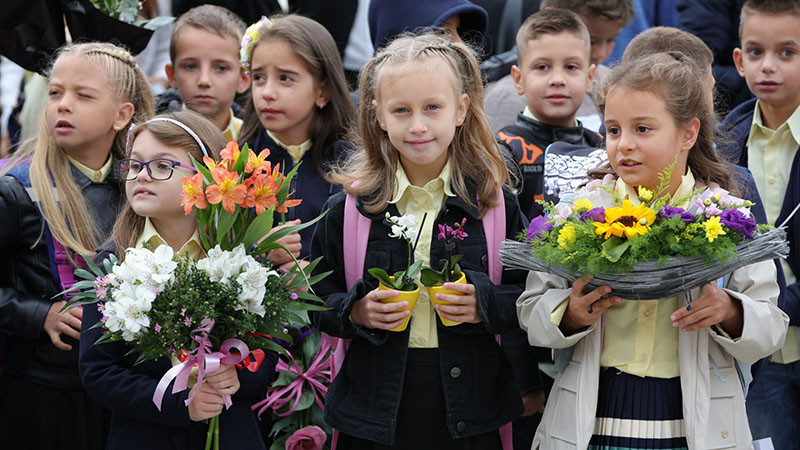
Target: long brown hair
[[66, 214], [473, 154], [315, 46], [676, 81], [129, 225]]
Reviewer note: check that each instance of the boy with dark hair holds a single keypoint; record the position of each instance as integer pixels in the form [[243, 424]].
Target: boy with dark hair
[[554, 73], [766, 139], [205, 70]]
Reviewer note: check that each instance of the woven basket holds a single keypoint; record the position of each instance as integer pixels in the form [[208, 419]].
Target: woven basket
[[651, 280]]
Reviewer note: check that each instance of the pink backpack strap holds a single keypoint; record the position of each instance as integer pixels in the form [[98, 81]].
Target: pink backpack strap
[[355, 236]]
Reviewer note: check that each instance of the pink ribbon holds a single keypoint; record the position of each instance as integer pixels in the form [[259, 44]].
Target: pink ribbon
[[207, 363], [318, 372]]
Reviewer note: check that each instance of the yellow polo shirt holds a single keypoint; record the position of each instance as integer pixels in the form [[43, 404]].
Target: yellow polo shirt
[[95, 175], [418, 201], [295, 151], [192, 248], [638, 336], [769, 157]]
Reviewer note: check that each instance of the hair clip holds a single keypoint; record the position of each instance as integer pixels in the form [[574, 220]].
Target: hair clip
[[174, 122], [249, 40]]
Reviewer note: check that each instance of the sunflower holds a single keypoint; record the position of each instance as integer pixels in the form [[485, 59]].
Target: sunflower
[[626, 221]]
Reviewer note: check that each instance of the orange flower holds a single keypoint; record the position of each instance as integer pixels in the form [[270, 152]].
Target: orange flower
[[211, 164], [230, 152], [192, 193], [261, 193], [256, 162], [284, 208], [226, 190]]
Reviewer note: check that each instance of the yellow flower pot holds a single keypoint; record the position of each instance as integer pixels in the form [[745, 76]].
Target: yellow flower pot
[[433, 290], [402, 296]]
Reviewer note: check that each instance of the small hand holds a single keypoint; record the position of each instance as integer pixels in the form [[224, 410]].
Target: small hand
[[714, 306], [292, 242], [585, 309], [533, 403], [57, 323], [464, 307], [370, 312], [207, 402], [225, 380]]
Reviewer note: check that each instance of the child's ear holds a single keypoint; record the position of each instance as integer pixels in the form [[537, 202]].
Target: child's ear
[[378, 115], [244, 81], [463, 107], [690, 132], [170, 71], [124, 115], [737, 61], [516, 74], [590, 78], [323, 97]]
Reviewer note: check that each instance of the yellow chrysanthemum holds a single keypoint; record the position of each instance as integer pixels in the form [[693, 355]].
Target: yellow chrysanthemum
[[583, 205], [626, 221], [713, 228], [566, 236], [645, 194]]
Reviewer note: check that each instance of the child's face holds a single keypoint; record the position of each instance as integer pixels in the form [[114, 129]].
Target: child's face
[[419, 108], [642, 139], [157, 199], [603, 34], [554, 75], [770, 58], [81, 109], [206, 73], [285, 93]]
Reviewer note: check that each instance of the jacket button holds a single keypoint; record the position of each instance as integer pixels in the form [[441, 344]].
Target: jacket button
[[485, 262], [455, 372], [461, 426]]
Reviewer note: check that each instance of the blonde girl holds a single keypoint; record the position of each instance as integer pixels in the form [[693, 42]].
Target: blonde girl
[[655, 373], [425, 148], [59, 199]]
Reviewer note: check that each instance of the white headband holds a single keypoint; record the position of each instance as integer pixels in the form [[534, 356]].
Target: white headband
[[172, 121]]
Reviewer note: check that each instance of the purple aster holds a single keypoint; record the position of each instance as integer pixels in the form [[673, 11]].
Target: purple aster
[[187, 321], [538, 226], [739, 222], [293, 296], [596, 214], [157, 328], [668, 212]]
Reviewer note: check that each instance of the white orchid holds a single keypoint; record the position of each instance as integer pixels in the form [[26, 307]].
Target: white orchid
[[404, 227], [143, 266], [127, 311]]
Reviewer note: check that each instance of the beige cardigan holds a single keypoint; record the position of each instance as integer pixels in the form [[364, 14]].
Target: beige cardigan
[[713, 409]]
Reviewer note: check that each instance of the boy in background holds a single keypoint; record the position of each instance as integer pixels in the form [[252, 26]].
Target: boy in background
[[205, 70], [766, 138]]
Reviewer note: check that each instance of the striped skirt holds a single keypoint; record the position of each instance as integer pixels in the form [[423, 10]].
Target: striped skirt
[[638, 413]]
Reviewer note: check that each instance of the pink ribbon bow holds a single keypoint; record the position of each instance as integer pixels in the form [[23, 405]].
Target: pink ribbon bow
[[207, 362], [318, 372]]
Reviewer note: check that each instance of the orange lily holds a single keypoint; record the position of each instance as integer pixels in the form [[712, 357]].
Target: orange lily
[[226, 190], [256, 162], [230, 152], [261, 193], [211, 164], [192, 193], [284, 208]]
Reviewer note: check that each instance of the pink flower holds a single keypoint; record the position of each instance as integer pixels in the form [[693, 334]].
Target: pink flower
[[309, 438]]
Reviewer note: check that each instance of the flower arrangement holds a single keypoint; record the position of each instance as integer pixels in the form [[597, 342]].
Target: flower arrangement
[[450, 270], [230, 300], [655, 248], [403, 227]]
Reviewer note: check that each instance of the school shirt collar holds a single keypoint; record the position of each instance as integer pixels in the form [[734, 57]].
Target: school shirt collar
[[95, 176], [757, 128], [295, 151], [402, 184], [193, 247], [684, 191]]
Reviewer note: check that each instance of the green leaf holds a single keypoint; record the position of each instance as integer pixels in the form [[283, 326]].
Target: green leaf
[[258, 228], [203, 169], [238, 166], [614, 248], [430, 277], [381, 275], [306, 400], [456, 259], [283, 191], [281, 425], [225, 223], [414, 269], [280, 443]]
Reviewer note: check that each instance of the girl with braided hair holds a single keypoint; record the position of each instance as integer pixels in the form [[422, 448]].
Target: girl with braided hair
[[58, 202]]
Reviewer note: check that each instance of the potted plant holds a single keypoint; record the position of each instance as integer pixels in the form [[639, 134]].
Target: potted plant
[[450, 270], [403, 227]]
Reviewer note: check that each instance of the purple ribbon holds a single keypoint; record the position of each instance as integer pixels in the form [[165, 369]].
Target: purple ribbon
[[318, 372], [207, 362]]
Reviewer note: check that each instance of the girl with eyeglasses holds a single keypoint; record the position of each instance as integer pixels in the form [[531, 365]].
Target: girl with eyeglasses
[[158, 159]]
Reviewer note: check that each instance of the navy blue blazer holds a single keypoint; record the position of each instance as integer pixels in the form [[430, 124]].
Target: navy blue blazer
[[110, 377]]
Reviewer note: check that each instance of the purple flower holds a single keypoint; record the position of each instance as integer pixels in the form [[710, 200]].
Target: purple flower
[[293, 296], [188, 321], [739, 222], [442, 232], [183, 311], [596, 214], [157, 328], [309, 438], [538, 226], [668, 212]]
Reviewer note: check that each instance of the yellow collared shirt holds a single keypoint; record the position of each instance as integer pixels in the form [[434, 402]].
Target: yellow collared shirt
[[638, 336], [769, 157], [419, 201], [192, 248], [295, 151], [231, 132], [95, 175]]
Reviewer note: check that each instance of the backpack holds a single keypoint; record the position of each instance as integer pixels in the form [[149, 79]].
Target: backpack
[[356, 230]]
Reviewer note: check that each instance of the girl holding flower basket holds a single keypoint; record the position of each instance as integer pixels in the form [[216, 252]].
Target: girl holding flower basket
[[153, 217], [652, 373], [420, 190]]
